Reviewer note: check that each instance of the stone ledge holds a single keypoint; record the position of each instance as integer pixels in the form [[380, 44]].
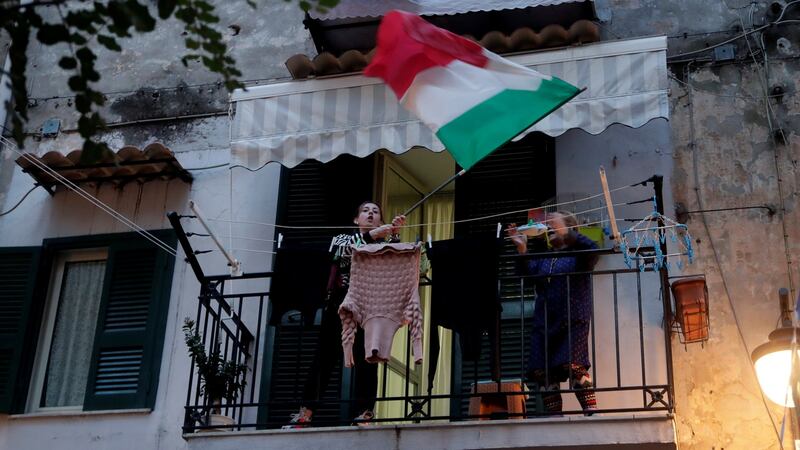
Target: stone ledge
[[79, 414], [641, 431]]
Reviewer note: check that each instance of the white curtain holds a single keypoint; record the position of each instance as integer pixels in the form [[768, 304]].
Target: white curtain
[[438, 209], [73, 333]]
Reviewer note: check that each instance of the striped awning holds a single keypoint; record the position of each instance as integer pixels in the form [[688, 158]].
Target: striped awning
[[321, 119]]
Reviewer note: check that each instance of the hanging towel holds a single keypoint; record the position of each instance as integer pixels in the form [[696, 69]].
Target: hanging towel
[[383, 296], [299, 282], [464, 295]]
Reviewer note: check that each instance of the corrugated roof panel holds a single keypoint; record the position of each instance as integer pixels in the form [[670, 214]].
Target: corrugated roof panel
[[372, 8]]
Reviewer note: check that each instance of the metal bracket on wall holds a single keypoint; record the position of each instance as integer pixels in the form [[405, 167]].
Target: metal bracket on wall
[[682, 214]]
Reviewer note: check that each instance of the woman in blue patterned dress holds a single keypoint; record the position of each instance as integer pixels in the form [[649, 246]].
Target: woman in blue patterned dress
[[562, 314]]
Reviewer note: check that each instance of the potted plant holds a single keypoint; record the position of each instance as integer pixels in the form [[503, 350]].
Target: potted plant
[[219, 379]]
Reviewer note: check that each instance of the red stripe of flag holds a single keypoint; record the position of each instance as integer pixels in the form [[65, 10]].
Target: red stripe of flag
[[408, 45]]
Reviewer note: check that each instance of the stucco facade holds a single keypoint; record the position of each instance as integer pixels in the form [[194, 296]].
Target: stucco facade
[[725, 157]]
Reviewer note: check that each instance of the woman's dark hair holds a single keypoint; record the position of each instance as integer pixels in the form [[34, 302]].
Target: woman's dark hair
[[380, 208]]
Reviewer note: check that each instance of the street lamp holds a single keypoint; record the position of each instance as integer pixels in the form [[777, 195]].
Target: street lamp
[[773, 359]]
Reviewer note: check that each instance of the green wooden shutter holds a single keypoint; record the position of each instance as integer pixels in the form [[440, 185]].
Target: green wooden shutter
[[130, 327], [294, 351], [18, 269], [312, 193], [518, 176]]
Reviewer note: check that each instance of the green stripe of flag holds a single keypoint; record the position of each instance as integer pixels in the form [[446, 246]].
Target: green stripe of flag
[[490, 124]]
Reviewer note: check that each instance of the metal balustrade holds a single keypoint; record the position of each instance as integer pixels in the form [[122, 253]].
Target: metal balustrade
[[629, 348]]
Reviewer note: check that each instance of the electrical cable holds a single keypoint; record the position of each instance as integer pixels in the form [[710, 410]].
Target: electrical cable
[[88, 197], [777, 21], [18, 203], [743, 97], [216, 166], [770, 112], [727, 41]]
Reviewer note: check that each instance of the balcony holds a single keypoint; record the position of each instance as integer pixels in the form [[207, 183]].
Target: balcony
[[629, 350]]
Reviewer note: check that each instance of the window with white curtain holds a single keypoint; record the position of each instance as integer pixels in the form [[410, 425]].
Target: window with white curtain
[[67, 334]]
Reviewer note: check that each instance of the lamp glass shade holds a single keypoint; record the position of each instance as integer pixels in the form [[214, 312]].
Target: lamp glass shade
[[773, 370]]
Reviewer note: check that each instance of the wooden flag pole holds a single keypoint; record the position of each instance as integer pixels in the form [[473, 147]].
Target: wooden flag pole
[[439, 188], [610, 206]]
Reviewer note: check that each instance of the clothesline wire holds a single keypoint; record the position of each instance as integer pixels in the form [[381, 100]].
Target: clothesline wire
[[575, 226], [91, 199], [254, 250], [234, 237], [473, 219], [492, 216], [505, 237], [273, 240], [416, 225]]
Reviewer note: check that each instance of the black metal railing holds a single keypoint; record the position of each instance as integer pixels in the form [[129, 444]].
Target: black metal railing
[[628, 347]]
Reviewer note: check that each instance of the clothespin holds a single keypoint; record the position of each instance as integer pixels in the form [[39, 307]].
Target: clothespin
[[333, 239], [499, 229], [430, 241], [280, 239]]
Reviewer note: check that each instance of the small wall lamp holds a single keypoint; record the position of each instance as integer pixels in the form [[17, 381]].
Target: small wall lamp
[[773, 359]]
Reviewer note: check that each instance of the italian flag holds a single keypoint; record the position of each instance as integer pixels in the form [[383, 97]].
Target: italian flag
[[474, 100]]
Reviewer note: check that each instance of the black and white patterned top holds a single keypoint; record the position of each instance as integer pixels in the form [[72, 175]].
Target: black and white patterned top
[[342, 253]]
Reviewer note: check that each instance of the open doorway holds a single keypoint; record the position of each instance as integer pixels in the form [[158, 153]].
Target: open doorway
[[401, 181]]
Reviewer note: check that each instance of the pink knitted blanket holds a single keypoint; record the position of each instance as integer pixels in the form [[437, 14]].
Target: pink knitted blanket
[[383, 295]]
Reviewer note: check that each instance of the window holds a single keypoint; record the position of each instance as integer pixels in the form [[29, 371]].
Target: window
[[64, 352], [82, 323]]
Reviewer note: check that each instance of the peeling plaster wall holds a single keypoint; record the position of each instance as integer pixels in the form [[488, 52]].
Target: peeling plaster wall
[[147, 79], [720, 130]]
